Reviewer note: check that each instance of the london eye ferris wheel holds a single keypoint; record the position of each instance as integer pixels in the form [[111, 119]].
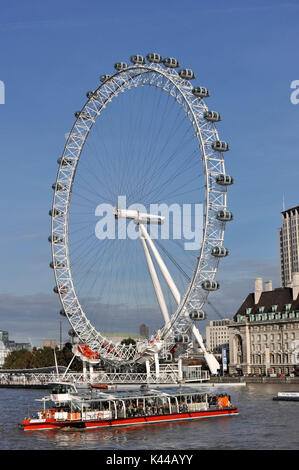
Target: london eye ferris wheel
[[144, 141]]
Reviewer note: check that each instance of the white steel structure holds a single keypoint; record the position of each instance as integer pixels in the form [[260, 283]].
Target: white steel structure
[[178, 325]]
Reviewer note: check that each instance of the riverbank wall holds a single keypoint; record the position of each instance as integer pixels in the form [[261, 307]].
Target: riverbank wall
[[246, 379]]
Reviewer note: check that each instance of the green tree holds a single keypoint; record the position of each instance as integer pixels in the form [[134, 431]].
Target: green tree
[[43, 357]]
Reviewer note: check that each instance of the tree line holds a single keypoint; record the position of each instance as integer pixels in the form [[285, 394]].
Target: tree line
[[42, 357]]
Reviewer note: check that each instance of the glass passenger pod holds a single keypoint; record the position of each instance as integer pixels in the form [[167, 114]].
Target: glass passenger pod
[[60, 289], [120, 66], [200, 92], [212, 116], [72, 333], [55, 239], [59, 187], [197, 315], [104, 78], [64, 161], [154, 58], [224, 216], [55, 213], [210, 285], [62, 312], [171, 62], [219, 251], [224, 180], [181, 339], [137, 59], [57, 264], [187, 74], [220, 146], [89, 94], [82, 115]]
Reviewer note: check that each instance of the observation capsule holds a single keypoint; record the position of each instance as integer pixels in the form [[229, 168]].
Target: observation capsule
[[197, 315], [187, 74], [55, 239], [200, 92], [224, 216], [82, 115], [89, 94], [181, 339], [154, 58], [220, 146], [104, 78], [55, 213], [59, 187], [210, 285], [57, 264], [224, 180], [171, 62], [120, 66], [72, 333], [219, 251], [64, 161], [212, 116], [62, 312], [137, 59], [60, 289]]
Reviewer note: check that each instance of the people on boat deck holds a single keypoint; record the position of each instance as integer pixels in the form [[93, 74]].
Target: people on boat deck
[[151, 406]]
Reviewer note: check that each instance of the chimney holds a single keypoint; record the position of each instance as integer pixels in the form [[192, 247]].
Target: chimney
[[268, 286], [295, 285], [258, 289]]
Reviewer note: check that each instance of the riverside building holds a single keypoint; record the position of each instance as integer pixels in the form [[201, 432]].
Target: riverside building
[[288, 238], [264, 333], [217, 335], [6, 346]]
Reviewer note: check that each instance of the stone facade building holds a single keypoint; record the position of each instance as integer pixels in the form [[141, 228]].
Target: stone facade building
[[49, 343], [7, 345], [264, 333], [217, 335]]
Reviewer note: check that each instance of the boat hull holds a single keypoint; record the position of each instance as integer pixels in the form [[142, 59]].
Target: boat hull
[[51, 423], [286, 398]]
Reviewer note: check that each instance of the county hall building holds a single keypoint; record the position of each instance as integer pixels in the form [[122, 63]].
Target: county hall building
[[264, 333]]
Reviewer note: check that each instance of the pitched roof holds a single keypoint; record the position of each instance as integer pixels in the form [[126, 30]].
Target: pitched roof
[[280, 297]]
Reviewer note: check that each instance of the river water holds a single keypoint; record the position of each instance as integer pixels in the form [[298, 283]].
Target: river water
[[261, 424]]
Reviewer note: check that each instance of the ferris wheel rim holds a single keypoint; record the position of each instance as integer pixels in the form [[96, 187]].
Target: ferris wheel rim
[[179, 84]]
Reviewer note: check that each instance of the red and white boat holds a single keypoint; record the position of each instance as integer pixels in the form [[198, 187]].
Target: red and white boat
[[66, 408]]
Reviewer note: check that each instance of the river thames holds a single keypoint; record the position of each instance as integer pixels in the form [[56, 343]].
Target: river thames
[[262, 424]]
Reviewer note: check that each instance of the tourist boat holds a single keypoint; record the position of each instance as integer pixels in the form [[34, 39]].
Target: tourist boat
[[66, 408], [287, 396]]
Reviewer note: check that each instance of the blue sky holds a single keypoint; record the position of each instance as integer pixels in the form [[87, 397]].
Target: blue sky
[[246, 53]]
